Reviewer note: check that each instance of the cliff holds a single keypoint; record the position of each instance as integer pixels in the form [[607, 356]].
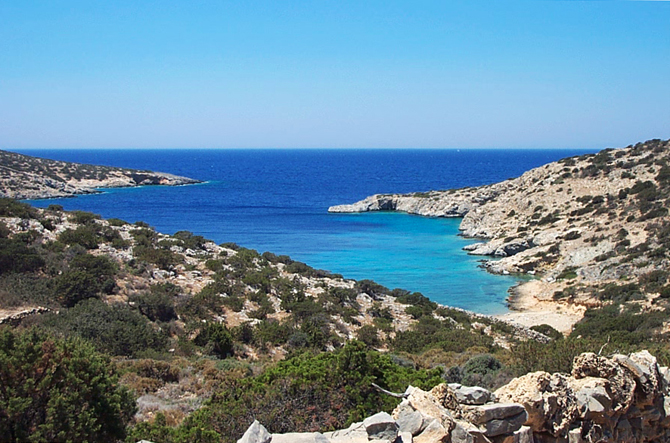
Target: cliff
[[26, 177], [584, 224]]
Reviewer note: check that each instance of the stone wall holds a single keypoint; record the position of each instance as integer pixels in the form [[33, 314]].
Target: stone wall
[[622, 398]]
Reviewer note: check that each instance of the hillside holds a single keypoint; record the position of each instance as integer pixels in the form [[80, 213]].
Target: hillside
[[594, 229], [26, 177], [180, 303]]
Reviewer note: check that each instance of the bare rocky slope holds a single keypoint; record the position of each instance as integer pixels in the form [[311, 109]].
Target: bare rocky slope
[[26, 177], [595, 227]]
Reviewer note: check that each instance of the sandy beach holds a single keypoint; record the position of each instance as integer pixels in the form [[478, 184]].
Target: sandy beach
[[532, 304]]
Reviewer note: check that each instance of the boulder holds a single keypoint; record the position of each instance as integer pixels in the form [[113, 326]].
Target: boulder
[[381, 426], [353, 434], [472, 395], [429, 406], [548, 400], [445, 396], [496, 418], [434, 433], [620, 383], [410, 421], [256, 433]]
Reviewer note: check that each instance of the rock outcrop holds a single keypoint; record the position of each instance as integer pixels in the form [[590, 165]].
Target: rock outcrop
[[622, 398], [26, 177]]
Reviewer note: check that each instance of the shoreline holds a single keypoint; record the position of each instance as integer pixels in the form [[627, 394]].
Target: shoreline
[[531, 303]]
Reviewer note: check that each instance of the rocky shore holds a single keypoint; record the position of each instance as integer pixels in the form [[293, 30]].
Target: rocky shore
[[578, 224], [622, 398], [26, 177]]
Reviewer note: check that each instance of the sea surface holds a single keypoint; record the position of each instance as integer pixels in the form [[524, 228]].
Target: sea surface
[[277, 200]]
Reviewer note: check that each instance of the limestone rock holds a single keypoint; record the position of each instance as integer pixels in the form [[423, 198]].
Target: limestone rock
[[411, 421], [256, 433], [621, 384], [434, 433], [548, 400], [381, 426], [472, 395], [298, 437], [353, 434], [496, 411], [522, 435], [445, 396]]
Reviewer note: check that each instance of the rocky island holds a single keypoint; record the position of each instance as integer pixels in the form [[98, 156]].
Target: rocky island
[[592, 228], [27, 177]]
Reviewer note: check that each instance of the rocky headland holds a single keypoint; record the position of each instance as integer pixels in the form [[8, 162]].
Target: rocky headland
[[27, 177], [590, 228]]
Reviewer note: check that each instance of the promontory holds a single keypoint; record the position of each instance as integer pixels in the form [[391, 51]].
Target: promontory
[[27, 177], [594, 228]]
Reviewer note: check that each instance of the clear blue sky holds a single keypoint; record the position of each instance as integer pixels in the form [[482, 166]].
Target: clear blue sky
[[333, 74]]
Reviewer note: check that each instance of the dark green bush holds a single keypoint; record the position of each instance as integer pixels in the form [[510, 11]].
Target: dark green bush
[[216, 338], [15, 256], [114, 329], [13, 208], [58, 390], [159, 303]]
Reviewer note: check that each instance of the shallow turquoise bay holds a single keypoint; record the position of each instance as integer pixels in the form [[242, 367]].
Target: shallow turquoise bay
[[417, 253]]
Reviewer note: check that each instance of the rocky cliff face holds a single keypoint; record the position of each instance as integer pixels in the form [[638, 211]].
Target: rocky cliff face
[[621, 398], [580, 223], [26, 177]]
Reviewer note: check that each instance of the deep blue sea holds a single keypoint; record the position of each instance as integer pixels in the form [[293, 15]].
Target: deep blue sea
[[277, 200]]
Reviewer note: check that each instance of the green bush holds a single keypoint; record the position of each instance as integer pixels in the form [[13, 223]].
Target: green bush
[[217, 338], [83, 217], [309, 392], [15, 256], [480, 370], [114, 329], [159, 303], [430, 333], [86, 236], [547, 330], [13, 208], [369, 335], [89, 276], [58, 390]]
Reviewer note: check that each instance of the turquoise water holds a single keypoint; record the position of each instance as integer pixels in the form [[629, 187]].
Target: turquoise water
[[420, 253], [277, 200]]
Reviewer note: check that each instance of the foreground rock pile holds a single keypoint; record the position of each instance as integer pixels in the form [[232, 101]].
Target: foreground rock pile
[[623, 398]]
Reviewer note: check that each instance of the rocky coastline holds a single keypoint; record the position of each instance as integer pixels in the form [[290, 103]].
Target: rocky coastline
[[577, 224], [26, 177]]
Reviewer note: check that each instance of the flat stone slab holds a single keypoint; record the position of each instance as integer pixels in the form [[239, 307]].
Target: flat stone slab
[[299, 437], [472, 395], [496, 411]]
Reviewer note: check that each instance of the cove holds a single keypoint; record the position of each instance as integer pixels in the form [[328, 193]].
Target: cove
[[277, 201]]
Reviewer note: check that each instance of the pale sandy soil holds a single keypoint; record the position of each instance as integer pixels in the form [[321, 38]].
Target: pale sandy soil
[[531, 305]]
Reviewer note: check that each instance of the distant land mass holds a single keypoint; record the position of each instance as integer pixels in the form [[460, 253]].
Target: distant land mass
[[27, 177]]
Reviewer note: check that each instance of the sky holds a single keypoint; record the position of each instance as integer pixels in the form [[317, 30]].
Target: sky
[[333, 74]]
